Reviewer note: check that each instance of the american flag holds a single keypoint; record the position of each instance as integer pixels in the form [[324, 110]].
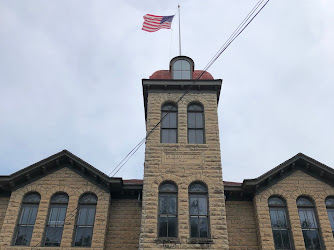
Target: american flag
[[153, 23]]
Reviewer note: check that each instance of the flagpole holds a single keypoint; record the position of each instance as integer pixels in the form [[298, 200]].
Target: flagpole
[[179, 29]]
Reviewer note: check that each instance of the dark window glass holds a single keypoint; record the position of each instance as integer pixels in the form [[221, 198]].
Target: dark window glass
[[54, 228], [279, 223], [198, 210], [85, 220], [27, 219], [169, 123], [309, 224], [195, 124], [330, 212], [167, 224], [182, 70]]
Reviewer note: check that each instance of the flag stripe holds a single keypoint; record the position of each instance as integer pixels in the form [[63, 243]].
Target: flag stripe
[[153, 23]]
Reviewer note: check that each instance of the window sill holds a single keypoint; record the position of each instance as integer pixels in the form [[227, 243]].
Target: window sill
[[168, 240], [200, 241]]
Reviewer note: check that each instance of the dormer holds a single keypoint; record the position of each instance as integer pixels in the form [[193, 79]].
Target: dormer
[[181, 68]]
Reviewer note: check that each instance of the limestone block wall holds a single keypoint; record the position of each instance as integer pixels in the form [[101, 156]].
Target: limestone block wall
[[63, 180], [241, 225], [123, 224], [183, 163], [3, 208], [290, 188]]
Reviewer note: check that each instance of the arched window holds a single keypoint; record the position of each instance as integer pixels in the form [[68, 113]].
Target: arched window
[[85, 220], [279, 223], [309, 223], [27, 219], [167, 224], [56, 219], [169, 123], [198, 210], [195, 123], [182, 70], [330, 211]]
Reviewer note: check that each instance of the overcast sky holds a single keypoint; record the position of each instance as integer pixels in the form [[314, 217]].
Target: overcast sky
[[70, 78]]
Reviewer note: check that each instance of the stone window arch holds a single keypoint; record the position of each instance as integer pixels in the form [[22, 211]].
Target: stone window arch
[[85, 220], [309, 223], [56, 219], [27, 219], [198, 210], [167, 221], [169, 123], [280, 224]]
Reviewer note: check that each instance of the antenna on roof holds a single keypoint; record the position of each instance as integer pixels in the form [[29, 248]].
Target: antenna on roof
[[179, 29]]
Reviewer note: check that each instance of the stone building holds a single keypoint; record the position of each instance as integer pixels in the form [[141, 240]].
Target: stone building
[[182, 202]]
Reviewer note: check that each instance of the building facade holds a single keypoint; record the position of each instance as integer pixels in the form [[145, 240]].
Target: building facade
[[182, 202]]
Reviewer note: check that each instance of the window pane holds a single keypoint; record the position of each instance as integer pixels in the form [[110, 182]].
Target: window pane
[[163, 226], [203, 227], [185, 65], [311, 239], [177, 74], [24, 234], [172, 204], [304, 202], [307, 219], [197, 187], [88, 198], [172, 136], [90, 216], [168, 187], [53, 236], [172, 120], [163, 204], [202, 206], [25, 213], [32, 198], [330, 201], [186, 75], [191, 136], [199, 120], [83, 236], [194, 226], [193, 205], [82, 216], [273, 218], [164, 136], [165, 121], [330, 213], [276, 201], [285, 239], [177, 65], [199, 136], [281, 218], [172, 226], [59, 198], [277, 239], [191, 120]]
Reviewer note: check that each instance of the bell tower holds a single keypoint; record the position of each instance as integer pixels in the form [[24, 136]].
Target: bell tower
[[183, 194]]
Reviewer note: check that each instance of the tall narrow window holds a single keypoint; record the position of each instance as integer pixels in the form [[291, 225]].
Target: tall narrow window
[[85, 220], [167, 224], [330, 211], [279, 223], [169, 123], [182, 70], [198, 210], [55, 224], [195, 124], [27, 219], [309, 223]]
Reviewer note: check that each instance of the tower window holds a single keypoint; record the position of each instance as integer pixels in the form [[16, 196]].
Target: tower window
[[85, 220], [182, 70], [55, 226], [198, 210], [25, 227], [169, 123], [330, 211], [195, 124], [279, 223], [167, 225], [309, 223]]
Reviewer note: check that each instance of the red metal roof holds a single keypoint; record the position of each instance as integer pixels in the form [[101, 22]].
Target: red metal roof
[[166, 75]]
